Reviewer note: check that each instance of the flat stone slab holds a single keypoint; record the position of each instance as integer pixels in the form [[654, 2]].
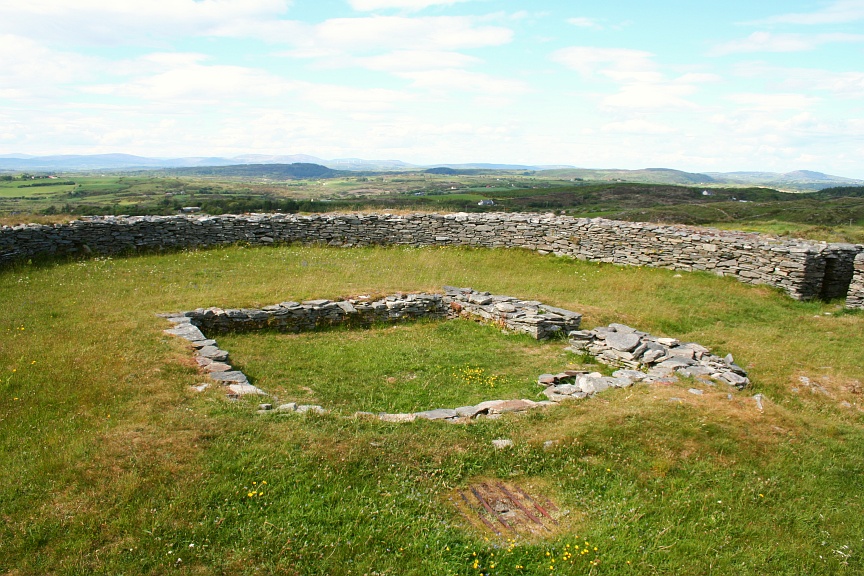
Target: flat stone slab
[[695, 371], [675, 363], [735, 379], [467, 411], [230, 376], [482, 407], [397, 418], [512, 406], [438, 414], [310, 408], [217, 367], [622, 341], [632, 375], [245, 389], [547, 379], [187, 331], [213, 353], [566, 389]]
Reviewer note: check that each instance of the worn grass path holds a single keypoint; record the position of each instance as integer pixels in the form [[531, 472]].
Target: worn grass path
[[109, 464]]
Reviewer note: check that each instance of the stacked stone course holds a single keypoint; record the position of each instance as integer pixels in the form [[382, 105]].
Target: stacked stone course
[[855, 297], [522, 316], [803, 269], [618, 345]]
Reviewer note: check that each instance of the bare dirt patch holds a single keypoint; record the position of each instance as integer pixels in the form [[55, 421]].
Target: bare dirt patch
[[509, 509]]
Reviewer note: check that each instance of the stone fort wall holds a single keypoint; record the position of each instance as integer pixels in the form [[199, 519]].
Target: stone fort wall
[[805, 270], [855, 294]]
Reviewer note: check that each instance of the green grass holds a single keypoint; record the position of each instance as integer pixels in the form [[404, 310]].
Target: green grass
[[110, 464], [403, 368], [852, 234], [26, 189]]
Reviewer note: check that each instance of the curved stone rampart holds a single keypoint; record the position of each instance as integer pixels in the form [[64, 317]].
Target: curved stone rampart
[[803, 269]]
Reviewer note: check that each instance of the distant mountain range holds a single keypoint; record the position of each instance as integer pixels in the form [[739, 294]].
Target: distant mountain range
[[74, 162], [799, 180], [261, 165]]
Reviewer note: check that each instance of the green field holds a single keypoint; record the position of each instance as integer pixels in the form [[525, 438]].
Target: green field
[[835, 214], [112, 464]]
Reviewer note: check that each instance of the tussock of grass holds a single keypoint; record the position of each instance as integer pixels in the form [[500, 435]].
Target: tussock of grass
[[111, 465]]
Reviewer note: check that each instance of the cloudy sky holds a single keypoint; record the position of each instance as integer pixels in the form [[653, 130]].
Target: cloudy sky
[[719, 86]]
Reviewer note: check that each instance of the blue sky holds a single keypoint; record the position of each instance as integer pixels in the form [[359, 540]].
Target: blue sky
[[720, 86]]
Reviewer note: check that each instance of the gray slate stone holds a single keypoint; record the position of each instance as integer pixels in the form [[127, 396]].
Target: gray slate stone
[[397, 418], [230, 376], [310, 408], [438, 414], [213, 353], [624, 342]]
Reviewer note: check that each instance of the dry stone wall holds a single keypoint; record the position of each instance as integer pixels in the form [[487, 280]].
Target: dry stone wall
[[646, 358], [855, 297], [522, 316], [803, 269]]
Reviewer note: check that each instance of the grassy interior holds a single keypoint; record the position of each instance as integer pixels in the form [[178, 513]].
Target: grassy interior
[[403, 368], [109, 463]]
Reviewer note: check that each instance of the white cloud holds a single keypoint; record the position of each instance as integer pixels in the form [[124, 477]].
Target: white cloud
[[837, 12], [761, 101], [112, 22], [841, 84], [776, 128], [636, 126], [184, 84], [651, 96], [465, 81], [769, 42], [354, 36], [614, 62], [200, 84], [369, 5], [396, 32], [346, 98], [414, 60], [585, 22], [698, 78], [642, 84], [28, 69]]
